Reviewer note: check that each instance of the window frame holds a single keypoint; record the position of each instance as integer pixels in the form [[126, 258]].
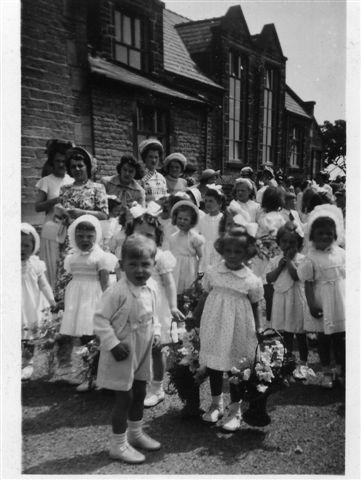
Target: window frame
[[296, 148], [137, 42], [269, 115], [143, 133]]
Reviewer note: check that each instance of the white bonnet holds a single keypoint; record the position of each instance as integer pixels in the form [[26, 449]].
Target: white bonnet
[[88, 219], [331, 211], [30, 230]]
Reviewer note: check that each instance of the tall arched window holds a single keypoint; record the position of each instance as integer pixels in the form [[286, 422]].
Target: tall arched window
[[269, 115]]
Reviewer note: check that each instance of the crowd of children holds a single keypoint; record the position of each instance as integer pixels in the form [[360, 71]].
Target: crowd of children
[[277, 245]]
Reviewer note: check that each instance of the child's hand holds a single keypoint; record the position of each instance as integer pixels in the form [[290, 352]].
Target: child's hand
[[156, 341], [316, 312], [177, 315], [120, 351], [282, 262], [75, 212], [290, 254]]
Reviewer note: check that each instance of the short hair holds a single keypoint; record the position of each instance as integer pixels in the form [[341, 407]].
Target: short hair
[[55, 146], [218, 196], [185, 208], [87, 226], [272, 199], [129, 159], [150, 220], [136, 245], [289, 228], [78, 153], [237, 234], [322, 222]]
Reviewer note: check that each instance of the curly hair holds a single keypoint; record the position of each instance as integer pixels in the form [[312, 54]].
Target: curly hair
[[290, 229], [322, 222], [152, 146], [129, 159], [219, 197], [185, 208], [150, 220], [79, 153], [237, 234]]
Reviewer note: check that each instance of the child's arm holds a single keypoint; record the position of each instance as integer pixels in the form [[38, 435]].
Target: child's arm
[[199, 253], [104, 279], [46, 289], [171, 292], [272, 276], [255, 309], [310, 296], [42, 204], [292, 270]]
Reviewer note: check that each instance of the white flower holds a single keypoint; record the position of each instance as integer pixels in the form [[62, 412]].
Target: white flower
[[185, 361], [165, 350], [83, 351], [233, 380], [235, 371], [262, 388], [265, 376], [247, 374], [183, 351]]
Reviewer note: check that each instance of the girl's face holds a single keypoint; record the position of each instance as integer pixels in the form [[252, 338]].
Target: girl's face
[[59, 168], [138, 269], [242, 193], [78, 170], [85, 239], [27, 246], [288, 244], [174, 169], [184, 220], [211, 205], [152, 159], [234, 254], [127, 173], [146, 230], [323, 237], [116, 211], [290, 203]]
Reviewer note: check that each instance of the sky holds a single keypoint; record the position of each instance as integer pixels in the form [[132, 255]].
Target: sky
[[312, 35]]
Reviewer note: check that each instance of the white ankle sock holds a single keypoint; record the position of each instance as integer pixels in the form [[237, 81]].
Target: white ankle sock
[[217, 400], [120, 440], [135, 429]]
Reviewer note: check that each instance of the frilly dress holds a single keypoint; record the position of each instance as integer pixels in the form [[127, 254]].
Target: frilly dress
[[250, 208], [183, 246], [290, 312], [208, 227], [84, 290], [326, 268], [164, 263], [227, 330], [33, 300]]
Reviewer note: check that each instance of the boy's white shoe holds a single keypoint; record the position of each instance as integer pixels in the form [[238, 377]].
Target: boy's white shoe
[[232, 421], [153, 398], [213, 414], [85, 386], [127, 454], [143, 441]]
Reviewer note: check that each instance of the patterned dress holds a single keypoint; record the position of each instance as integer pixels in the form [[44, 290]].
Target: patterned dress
[[90, 196], [154, 184]]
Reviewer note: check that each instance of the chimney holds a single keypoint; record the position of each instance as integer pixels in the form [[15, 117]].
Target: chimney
[[309, 107]]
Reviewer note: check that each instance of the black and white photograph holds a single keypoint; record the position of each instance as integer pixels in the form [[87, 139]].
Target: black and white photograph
[[184, 295]]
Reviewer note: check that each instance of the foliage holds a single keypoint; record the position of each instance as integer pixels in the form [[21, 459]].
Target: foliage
[[90, 357], [334, 142]]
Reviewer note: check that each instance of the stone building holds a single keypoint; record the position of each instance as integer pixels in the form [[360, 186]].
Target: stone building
[[108, 73]]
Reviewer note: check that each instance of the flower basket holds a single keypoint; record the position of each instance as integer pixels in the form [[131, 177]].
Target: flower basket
[[267, 374]]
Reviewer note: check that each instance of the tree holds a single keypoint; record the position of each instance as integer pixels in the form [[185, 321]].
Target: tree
[[334, 142]]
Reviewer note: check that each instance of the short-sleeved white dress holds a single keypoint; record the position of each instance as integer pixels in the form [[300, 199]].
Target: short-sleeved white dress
[[183, 246], [290, 312], [208, 227], [227, 330], [326, 268], [164, 263], [84, 290]]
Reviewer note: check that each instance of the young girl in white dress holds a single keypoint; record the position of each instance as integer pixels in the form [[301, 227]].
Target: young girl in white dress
[[208, 225], [230, 320], [166, 306], [323, 271], [186, 244], [36, 293], [290, 313], [90, 267]]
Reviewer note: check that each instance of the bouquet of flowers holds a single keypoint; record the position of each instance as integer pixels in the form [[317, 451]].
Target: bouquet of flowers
[[90, 356], [267, 247], [268, 373]]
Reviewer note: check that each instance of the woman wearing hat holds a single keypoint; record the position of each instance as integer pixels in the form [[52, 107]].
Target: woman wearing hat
[[173, 167], [208, 177], [124, 185], [268, 179], [153, 182], [47, 196]]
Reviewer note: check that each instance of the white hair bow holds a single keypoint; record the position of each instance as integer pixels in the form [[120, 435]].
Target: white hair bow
[[153, 209], [250, 227], [217, 188]]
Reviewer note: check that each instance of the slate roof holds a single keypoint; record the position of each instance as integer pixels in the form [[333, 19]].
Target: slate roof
[[120, 74], [177, 58], [197, 35], [293, 106]]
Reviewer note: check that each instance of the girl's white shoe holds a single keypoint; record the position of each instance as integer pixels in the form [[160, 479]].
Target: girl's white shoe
[[213, 414], [232, 421]]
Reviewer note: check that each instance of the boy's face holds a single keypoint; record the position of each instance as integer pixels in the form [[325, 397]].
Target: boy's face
[[138, 269]]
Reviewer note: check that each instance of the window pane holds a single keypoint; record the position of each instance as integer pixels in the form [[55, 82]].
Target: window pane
[[231, 109], [118, 30], [161, 122], [127, 32], [137, 32], [231, 87], [237, 110], [134, 58], [231, 129], [121, 54], [230, 61], [237, 94], [236, 130], [231, 150], [237, 150]]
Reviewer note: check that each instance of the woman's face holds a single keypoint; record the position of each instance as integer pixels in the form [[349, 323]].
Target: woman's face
[[174, 169], [59, 168], [78, 170], [242, 192], [151, 160], [127, 173]]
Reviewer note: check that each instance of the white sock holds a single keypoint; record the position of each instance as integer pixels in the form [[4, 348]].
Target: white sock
[[217, 400], [120, 440], [135, 429], [157, 386]]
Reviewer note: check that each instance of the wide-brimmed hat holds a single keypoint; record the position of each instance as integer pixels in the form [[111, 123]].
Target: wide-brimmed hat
[[269, 170], [247, 170], [175, 157], [148, 144], [208, 173], [30, 230], [196, 194], [185, 203]]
